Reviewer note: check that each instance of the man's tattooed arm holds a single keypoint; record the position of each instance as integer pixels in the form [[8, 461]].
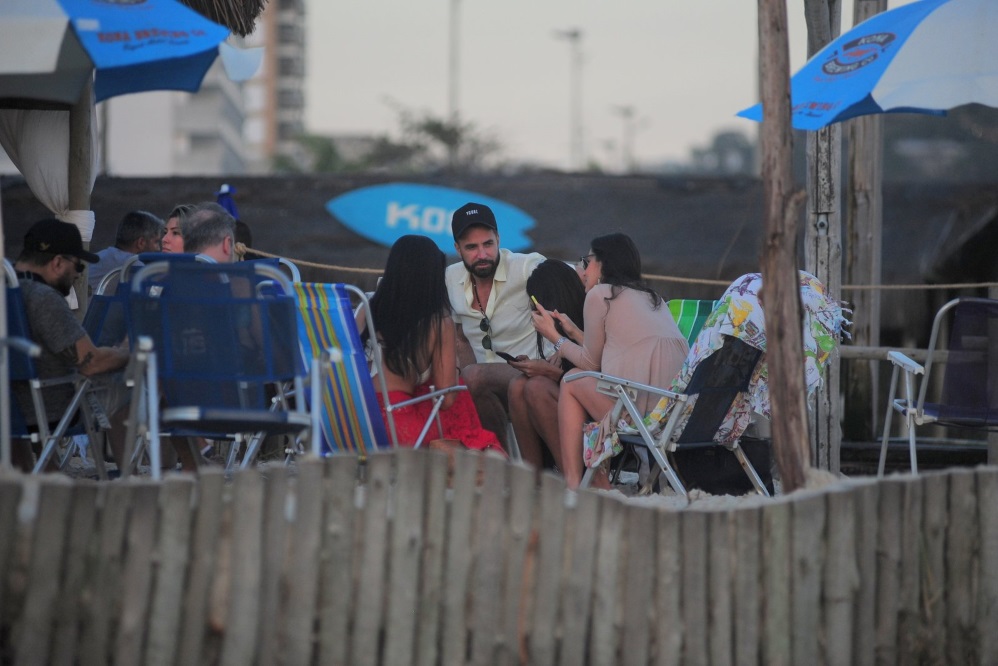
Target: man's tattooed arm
[[70, 355]]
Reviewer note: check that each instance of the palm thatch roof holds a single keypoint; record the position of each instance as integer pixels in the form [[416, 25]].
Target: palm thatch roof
[[239, 16]]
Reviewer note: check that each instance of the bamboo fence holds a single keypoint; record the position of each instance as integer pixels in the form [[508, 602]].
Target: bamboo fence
[[381, 562]]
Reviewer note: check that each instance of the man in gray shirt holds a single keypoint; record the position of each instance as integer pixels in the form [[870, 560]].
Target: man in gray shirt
[[138, 232], [52, 257]]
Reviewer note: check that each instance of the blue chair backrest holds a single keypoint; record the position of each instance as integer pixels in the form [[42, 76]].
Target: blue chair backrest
[[22, 368], [349, 416], [970, 384], [219, 340]]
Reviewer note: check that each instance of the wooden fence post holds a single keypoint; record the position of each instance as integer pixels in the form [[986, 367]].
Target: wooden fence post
[[173, 551], [780, 286], [841, 576], [33, 629], [987, 605], [992, 435], [962, 562], [864, 242], [546, 571], [823, 235], [581, 536]]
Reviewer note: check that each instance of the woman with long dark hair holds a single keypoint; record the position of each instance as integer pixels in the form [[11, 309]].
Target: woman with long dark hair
[[533, 395], [628, 333], [412, 317]]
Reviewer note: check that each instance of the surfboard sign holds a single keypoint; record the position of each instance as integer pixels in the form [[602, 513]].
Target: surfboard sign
[[383, 213]]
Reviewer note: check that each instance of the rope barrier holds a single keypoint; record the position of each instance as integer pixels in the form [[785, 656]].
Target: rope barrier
[[672, 278]]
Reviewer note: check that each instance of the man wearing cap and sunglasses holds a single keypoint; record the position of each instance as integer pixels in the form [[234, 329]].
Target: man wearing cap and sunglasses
[[52, 257], [487, 290]]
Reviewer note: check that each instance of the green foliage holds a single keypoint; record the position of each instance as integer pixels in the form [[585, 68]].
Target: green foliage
[[425, 143]]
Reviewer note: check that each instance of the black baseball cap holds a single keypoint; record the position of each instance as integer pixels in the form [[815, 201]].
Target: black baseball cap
[[56, 237], [471, 214]]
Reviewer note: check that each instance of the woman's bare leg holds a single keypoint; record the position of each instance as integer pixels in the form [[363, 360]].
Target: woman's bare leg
[[578, 402], [519, 414], [541, 395]]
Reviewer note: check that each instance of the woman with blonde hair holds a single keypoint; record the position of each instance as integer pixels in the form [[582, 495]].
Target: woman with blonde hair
[[173, 237]]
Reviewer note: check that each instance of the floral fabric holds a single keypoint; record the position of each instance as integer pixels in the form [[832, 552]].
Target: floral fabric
[[738, 314]]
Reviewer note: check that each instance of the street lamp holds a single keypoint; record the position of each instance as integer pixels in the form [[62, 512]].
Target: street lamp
[[627, 143], [452, 111], [577, 154]]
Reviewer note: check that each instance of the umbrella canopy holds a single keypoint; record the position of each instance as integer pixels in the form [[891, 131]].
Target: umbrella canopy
[[51, 47], [924, 57]]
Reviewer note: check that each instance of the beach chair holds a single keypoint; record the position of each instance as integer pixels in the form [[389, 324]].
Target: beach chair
[[969, 395], [690, 315], [81, 416], [714, 386], [224, 340], [720, 390], [345, 411]]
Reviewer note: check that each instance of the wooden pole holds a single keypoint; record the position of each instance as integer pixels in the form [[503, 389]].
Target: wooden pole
[[992, 435], [864, 216], [780, 286], [5, 407], [81, 119], [823, 235]]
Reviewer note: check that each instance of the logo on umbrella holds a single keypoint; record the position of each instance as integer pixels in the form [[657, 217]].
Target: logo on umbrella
[[858, 53]]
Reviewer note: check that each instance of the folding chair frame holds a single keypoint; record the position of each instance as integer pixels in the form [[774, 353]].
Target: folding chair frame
[[625, 392], [50, 438], [146, 431], [911, 409]]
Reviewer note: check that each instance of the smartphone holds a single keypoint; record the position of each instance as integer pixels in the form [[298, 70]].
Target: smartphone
[[504, 356]]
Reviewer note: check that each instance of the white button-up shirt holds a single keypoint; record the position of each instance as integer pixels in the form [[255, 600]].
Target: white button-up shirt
[[508, 307]]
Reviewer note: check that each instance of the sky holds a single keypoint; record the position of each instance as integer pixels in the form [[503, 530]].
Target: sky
[[685, 68]]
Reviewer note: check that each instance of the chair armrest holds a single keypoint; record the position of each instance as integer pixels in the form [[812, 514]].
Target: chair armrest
[[905, 363], [432, 395], [23, 345], [626, 383]]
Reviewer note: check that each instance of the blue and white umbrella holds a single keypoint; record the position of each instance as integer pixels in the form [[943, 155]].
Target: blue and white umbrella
[[51, 47], [924, 57]]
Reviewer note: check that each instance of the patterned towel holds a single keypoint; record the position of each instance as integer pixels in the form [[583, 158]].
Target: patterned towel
[[738, 314]]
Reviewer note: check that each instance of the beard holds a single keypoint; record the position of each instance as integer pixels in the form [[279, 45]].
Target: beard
[[64, 284], [483, 269]]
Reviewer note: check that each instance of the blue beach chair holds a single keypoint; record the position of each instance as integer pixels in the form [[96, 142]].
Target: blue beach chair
[[225, 342]]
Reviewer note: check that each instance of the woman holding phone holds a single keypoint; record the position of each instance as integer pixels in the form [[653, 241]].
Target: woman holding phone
[[629, 333], [533, 395]]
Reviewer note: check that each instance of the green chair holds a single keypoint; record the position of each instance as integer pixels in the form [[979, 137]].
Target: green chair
[[690, 315]]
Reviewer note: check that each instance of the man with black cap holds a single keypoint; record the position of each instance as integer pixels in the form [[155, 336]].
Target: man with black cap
[[487, 290], [52, 257]]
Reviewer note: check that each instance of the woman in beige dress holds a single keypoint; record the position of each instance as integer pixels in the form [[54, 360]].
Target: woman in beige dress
[[629, 333]]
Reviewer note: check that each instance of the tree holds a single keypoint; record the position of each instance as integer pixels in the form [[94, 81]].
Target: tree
[[780, 290]]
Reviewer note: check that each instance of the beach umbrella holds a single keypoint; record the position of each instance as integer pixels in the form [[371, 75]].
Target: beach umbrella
[[923, 57], [61, 56], [52, 46]]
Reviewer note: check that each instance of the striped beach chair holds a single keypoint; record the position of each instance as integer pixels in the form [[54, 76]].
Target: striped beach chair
[[349, 418], [690, 315]]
